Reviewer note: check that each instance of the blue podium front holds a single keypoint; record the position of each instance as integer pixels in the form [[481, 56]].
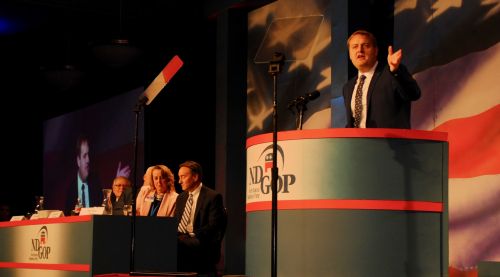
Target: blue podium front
[[351, 202]]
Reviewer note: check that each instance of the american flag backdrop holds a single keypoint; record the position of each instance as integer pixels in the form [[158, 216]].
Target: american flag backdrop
[[453, 49], [301, 31]]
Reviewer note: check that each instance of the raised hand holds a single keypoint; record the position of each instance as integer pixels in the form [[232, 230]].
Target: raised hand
[[122, 171], [394, 58]]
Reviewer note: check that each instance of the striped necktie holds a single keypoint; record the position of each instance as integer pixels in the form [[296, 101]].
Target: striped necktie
[[186, 216]]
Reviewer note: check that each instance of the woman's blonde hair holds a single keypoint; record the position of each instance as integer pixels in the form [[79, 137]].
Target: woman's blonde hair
[[148, 178], [167, 174]]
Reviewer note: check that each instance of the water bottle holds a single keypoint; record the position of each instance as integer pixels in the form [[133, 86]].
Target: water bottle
[[78, 206], [38, 204], [106, 202]]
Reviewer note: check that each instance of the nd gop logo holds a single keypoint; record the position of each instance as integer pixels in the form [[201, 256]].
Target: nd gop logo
[[261, 172], [40, 248]]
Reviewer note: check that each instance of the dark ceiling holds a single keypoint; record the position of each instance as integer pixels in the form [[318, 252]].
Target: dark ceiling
[[52, 49], [50, 65], [58, 54]]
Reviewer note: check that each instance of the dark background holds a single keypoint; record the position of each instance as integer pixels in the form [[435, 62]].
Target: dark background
[[49, 66]]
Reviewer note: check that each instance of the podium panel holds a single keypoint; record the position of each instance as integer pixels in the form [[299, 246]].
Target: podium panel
[[86, 245], [351, 202]]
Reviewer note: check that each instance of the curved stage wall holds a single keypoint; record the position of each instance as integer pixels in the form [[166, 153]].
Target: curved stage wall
[[352, 202]]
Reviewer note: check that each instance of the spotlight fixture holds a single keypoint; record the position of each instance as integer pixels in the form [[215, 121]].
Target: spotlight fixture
[[62, 78], [117, 53]]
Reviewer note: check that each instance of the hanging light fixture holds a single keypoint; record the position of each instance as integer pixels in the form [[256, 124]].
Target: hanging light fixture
[[62, 78], [61, 73], [119, 51]]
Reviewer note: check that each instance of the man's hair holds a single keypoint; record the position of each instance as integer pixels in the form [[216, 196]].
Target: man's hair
[[79, 141], [363, 33], [127, 180], [195, 168]]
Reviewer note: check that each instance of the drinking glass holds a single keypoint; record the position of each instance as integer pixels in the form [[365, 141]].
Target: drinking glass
[[106, 201], [127, 209], [38, 203]]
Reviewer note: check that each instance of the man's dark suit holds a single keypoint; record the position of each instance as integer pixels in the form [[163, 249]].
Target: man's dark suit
[[202, 252], [389, 98], [125, 198], [95, 194]]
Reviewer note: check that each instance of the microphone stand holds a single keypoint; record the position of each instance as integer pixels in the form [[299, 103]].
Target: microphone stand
[[141, 103], [145, 99], [300, 104], [137, 110], [275, 67], [301, 107]]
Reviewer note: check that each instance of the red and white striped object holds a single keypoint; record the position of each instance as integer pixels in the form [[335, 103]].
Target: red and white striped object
[[163, 78]]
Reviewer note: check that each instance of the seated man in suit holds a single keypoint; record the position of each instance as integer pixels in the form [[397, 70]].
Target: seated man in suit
[[201, 217]]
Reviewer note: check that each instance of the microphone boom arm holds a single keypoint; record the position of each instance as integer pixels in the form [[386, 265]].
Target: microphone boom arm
[[300, 104]]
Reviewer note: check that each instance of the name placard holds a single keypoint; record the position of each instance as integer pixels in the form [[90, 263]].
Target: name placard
[[18, 218], [34, 216], [92, 211], [56, 214]]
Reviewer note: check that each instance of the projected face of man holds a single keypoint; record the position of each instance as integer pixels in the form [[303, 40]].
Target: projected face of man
[[363, 51], [83, 161]]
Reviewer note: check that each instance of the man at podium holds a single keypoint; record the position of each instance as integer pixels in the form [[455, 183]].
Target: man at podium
[[380, 95]]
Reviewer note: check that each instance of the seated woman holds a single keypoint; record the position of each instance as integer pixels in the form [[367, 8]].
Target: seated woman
[[121, 194], [147, 185], [159, 199]]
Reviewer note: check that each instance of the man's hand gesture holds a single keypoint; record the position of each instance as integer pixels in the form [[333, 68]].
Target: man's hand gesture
[[394, 58], [122, 171]]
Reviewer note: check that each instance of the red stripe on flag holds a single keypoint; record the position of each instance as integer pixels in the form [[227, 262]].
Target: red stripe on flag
[[453, 272], [171, 68], [474, 144]]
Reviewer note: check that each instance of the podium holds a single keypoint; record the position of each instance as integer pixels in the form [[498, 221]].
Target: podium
[[351, 202], [86, 245]]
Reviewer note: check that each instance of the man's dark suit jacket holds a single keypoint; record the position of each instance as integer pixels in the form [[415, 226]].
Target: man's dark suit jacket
[[95, 194], [389, 98], [125, 198], [209, 226]]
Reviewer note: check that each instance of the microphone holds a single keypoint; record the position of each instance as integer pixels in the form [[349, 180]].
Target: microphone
[[302, 100], [312, 95]]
